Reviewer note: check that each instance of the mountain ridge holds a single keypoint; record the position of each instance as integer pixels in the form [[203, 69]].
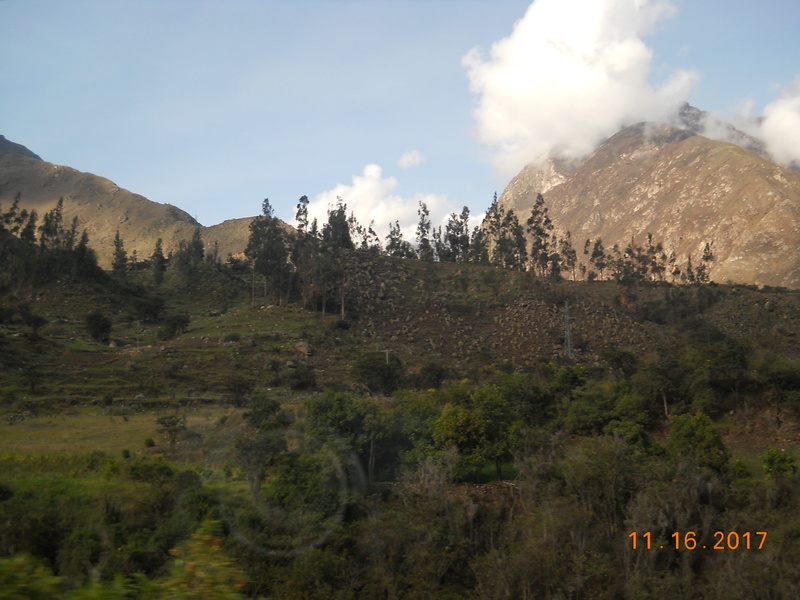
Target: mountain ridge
[[102, 208], [9, 147], [685, 189]]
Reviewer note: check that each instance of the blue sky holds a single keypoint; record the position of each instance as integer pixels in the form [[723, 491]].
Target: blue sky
[[214, 106]]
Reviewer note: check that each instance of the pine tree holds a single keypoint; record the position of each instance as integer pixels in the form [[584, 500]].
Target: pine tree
[[708, 255], [28, 232], [598, 258], [158, 263], [197, 250], [478, 247], [568, 255], [657, 263], [540, 227], [267, 251], [119, 263], [396, 245], [673, 268], [690, 274], [440, 249], [511, 245], [305, 252], [51, 231], [457, 236], [372, 240], [301, 214], [702, 270], [424, 246], [85, 262], [336, 232]]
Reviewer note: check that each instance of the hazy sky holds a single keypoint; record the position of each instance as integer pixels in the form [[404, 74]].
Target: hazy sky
[[214, 106]]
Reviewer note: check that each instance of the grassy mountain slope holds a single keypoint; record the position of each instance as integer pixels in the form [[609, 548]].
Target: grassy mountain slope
[[462, 317], [102, 207]]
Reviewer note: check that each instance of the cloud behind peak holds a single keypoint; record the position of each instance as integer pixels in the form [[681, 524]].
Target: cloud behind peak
[[571, 73]]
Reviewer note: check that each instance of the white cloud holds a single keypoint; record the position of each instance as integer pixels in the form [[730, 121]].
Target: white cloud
[[372, 197], [571, 73], [780, 128], [412, 158]]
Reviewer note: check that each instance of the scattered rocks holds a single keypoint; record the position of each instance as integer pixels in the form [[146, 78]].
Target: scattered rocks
[[18, 417]]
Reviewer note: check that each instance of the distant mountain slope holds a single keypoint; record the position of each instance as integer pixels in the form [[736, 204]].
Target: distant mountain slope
[[686, 190], [9, 147], [102, 207]]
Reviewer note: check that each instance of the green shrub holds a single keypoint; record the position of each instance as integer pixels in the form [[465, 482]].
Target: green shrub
[[302, 377], [694, 436], [173, 327], [588, 409], [148, 308], [778, 463], [22, 577], [99, 326], [5, 492], [429, 377], [381, 372]]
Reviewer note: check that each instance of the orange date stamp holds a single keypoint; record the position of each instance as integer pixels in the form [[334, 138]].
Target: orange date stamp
[[723, 540]]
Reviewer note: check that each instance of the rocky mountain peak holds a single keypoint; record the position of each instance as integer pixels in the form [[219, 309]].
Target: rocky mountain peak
[[536, 178], [711, 126], [685, 189]]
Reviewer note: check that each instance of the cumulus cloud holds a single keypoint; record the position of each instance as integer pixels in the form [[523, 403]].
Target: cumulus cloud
[[372, 197], [412, 158], [780, 128], [571, 73]]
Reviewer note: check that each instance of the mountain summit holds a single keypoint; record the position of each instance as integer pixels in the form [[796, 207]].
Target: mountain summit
[[685, 189], [9, 147]]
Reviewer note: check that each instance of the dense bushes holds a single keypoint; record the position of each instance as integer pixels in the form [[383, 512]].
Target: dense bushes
[[146, 508], [380, 372], [309, 525], [99, 326], [173, 326]]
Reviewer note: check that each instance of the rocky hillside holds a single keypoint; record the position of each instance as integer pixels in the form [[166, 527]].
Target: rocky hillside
[[469, 314], [686, 190], [102, 207]]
